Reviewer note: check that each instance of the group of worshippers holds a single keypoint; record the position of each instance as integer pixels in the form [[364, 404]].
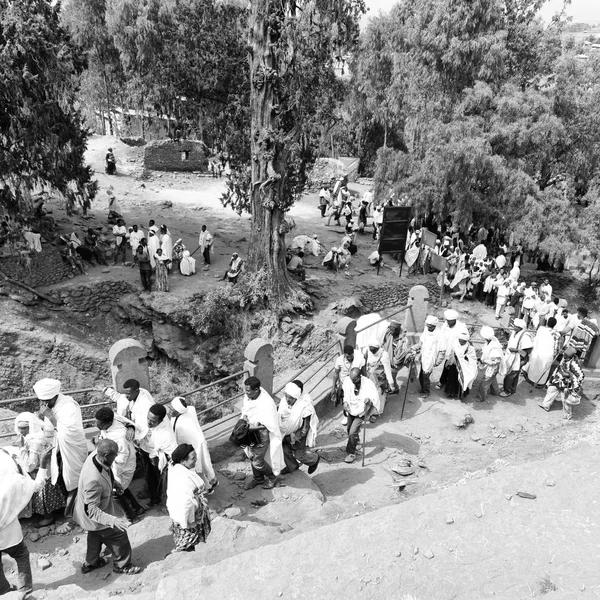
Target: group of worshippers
[[543, 357], [277, 437], [49, 468], [367, 373]]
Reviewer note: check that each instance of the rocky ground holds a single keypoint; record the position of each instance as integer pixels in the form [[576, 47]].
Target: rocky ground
[[455, 528]]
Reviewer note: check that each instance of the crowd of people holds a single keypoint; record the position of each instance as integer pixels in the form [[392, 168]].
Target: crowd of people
[[49, 467]]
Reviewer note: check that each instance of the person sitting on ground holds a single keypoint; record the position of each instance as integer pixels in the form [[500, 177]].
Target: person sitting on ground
[[331, 260], [188, 431], [96, 512], [71, 256], [565, 384], [298, 421], [259, 410], [90, 241], [236, 266], [187, 265], [186, 501], [296, 267], [121, 431], [360, 399]]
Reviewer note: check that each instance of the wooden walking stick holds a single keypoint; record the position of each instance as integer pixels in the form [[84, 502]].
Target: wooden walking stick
[[406, 389], [364, 440]]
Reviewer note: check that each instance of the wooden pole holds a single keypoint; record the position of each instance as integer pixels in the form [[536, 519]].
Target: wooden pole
[[406, 390]]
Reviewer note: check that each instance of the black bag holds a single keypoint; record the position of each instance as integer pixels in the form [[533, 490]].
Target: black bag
[[242, 436]]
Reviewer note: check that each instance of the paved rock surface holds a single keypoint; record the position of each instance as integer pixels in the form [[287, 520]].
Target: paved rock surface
[[498, 548]]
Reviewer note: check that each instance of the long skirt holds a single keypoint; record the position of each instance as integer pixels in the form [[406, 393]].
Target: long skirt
[[50, 497], [186, 539], [162, 277]]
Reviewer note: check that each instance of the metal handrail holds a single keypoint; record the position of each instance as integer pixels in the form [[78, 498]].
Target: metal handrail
[[213, 383], [314, 387], [401, 309], [206, 410], [310, 364], [67, 393]]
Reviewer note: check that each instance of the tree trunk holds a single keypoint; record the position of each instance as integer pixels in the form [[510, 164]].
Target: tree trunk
[[108, 103], [267, 244]]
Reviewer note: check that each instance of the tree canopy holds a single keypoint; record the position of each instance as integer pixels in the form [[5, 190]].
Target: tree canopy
[[42, 137]]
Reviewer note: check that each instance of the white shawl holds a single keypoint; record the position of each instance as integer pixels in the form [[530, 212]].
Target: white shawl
[[182, 487], [188, 431], [430, 348], [466, 363], [70, 442], [291, 418], [166, 245], [136, 411], [153, 246], [263, 411], [163, 442]]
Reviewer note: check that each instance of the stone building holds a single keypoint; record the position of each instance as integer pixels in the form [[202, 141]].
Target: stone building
[[172, 155]]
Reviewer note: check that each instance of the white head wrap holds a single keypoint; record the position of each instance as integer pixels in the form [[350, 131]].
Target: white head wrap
[[291, 389], [431, 320], [177, 405], [520, 323], [35, 423], [450, 315], [487, 333], [186, 253], [46, 389], [464, 335]]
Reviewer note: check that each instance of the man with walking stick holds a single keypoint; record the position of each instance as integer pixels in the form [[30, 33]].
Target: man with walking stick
[[360, 399]]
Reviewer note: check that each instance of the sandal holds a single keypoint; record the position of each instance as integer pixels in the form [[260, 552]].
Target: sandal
[[127, 569], [372, 419], [85, 568]]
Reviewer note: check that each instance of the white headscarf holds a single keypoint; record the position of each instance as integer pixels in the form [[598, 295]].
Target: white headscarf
[[46, 389]]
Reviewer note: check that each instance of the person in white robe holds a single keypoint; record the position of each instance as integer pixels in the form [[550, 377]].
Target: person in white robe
[[259, 410], [379, 370], [545, 350], [135, 238], [186, 427], [480, 252], [16, 491], [466, 363], [134, 405], [162, 436], [186, 502], [114, 427], [153, 246], [516, 356], [411, 253], [449, 333], [431, 354], [360, 399], [71, 450], [490, 363], [370, 327], [341, 369], [187, 265], [166, 245], [298, 422]]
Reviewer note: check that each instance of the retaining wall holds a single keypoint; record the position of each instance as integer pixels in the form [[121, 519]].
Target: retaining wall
[[43, 268]]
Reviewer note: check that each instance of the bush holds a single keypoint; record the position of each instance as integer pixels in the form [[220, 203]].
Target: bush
[[224, 311]]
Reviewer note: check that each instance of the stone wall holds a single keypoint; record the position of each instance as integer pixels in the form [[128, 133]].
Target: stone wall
[[168, 155], [93, 298], [43, 268]]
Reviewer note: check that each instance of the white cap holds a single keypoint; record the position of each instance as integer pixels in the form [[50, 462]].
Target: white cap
[[487, 333], [431, 320], [450, 315], [520, 323], [46, 389], [291, 389]]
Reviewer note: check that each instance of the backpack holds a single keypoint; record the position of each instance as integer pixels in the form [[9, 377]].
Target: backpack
[[242, 436]]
